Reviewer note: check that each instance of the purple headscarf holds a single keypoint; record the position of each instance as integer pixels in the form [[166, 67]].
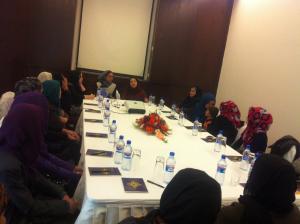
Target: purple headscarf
[[22, 132], [37, 99]]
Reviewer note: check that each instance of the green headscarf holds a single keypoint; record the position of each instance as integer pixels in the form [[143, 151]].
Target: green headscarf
[[51, 89]]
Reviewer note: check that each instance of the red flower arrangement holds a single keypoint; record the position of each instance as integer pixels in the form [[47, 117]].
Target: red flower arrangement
[[153, 124]]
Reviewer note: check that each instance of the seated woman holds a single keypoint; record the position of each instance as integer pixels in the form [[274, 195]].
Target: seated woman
[[135, 92], [189, 103], [3, 204], [6, 101], [191, 197], [228, 121], [44, 76], [28, 84], [255, 134], [210, 117], [47, 163], [31, 197], [61, 141], [105, 80], [78, 89], [207, 101], [268, 195], [288, 148]]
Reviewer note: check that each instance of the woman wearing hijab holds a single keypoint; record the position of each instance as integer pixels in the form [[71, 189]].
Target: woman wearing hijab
[[105, 80], [189, 103], [191, 197], [47, 163], [135, 92], [5, 103], [28, 84], [207, 100], [44, 76], [255, 135], [268, 196], [62, 142], [228, 121], [288, 148], [31, 197], [78, 89]]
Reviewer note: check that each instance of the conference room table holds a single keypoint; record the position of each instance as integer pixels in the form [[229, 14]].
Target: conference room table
[[104, 199]]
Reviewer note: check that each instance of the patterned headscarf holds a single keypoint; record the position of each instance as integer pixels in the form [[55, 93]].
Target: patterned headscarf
[[259, 121], [5, 103], [44, 76], [231, 111]]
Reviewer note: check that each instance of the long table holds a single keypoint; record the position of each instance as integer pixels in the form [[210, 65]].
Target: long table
[[105, 200]]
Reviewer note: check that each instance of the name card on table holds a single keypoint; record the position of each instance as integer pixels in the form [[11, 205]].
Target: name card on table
[[96, 135], [104, 171], [101, 153]]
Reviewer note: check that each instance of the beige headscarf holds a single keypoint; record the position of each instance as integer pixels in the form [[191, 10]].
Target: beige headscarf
[[5, 103], [44, 76]]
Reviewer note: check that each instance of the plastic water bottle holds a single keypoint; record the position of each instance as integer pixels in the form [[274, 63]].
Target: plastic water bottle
[[119, 150], [255, 157], [107, 104], [161, 104], [106, 116], [170, 167], [245, 159], [181, 118], [112, 132], [150, 100], [219, 142], [100, 100], [195, 129], [221, 169], [98, 92], [127, 157], [173, 111]]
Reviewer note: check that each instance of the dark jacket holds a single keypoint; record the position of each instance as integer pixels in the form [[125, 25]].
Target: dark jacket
[[223, 124], [24, 188], [258, 144], [233, 214]]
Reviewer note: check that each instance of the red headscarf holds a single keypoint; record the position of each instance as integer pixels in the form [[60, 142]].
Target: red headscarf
[[231, 111], [259, 121]]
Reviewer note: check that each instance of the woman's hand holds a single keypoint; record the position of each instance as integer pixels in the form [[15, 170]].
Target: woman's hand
[[89, 97], [73, 204], [78, 170]]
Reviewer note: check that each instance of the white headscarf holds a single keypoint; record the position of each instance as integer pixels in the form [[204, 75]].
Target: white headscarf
[[44, 76], [5, 103]]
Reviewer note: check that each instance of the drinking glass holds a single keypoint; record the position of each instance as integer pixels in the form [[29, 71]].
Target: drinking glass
[[159, 168], [136, 159]]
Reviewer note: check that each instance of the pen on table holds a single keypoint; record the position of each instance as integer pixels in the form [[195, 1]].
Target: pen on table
[[158, 185]]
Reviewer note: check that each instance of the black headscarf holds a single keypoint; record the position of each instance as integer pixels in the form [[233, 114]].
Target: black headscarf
[[284, 144], [74, 79], [190, 102], [270, 190], [102, 79], [191, 197]]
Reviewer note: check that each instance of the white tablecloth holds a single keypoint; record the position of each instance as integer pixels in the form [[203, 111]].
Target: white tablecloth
[[104, 198]]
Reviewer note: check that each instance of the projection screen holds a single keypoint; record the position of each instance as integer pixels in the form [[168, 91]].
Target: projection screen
[[114, 35]]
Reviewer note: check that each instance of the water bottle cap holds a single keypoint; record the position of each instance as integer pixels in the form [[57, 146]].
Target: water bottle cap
[[258, 154], [223, 157], [128, 142], [172, 154], [221, 132], [121, 137], [248, 147], [114, 121]]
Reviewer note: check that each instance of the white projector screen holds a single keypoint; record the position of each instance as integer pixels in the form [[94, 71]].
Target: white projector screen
[[114, 35]]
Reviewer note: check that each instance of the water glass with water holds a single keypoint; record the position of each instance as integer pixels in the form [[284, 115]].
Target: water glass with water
[[158, 172], [136, 159]]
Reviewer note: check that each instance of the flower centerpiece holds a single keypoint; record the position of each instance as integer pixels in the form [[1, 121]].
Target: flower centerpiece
[[153, 124]]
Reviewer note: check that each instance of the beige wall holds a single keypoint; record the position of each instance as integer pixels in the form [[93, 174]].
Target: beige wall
[[261, 64]]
